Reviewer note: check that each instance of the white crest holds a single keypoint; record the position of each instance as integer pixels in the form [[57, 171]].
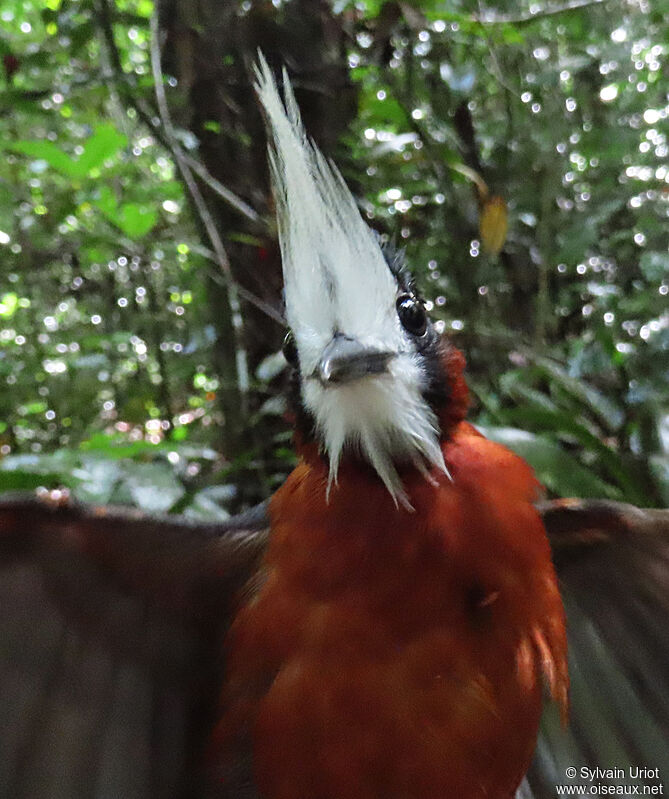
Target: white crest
[[336, 280]]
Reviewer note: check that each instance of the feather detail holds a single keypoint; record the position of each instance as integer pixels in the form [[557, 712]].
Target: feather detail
[[338, 281]]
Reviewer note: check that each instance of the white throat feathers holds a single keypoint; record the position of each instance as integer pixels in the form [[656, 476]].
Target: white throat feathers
[[338, 285]]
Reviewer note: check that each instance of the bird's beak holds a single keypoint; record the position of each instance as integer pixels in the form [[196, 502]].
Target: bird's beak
[[345, 359]]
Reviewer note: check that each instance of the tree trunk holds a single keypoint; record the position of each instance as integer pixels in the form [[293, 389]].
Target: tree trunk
[[210, 46]]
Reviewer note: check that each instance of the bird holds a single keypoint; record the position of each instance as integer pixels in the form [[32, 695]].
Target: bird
[[408, 613], [387, 625]]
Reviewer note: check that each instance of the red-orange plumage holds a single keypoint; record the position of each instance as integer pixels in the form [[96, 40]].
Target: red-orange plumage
[[392, 653]]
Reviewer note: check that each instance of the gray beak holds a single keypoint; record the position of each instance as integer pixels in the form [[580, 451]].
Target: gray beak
[[346, 359]]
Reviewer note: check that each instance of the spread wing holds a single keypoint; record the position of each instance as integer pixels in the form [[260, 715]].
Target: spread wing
[[613, 564], [110, 646], [110, 657]]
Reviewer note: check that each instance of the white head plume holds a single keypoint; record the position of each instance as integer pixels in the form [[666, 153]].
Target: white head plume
[[337, 280]]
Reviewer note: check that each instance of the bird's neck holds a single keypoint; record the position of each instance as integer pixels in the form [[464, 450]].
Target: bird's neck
[[454, 409]]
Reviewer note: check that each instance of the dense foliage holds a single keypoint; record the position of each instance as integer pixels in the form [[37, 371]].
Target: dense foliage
[[517, 152]]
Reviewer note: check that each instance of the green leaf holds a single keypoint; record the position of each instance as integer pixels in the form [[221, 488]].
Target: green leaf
[[81, 36], [106, 201], [659, 467], [385, 112], [117, 446], [47, 151], [133, 219], [145, 8], [559, 422], [97, 478], [654, 265], [606, 410], [105, 142], [206, 504], [9, 302], [151, 486], [18, 480], [511, 34], [556, 469], [271, 366], [28, 471], [136, 220], [246, 238], [101, 145], [38, 406], [459, 79], [575, 242], [180, 433]]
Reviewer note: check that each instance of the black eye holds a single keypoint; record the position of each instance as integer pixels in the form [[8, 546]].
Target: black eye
[[412, 315], [289, 349]]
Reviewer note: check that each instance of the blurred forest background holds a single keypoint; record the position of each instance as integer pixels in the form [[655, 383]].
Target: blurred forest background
[[517, 150]]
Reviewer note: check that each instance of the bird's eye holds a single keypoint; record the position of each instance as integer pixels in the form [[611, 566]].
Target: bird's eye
[[289, 349], [412, 315]]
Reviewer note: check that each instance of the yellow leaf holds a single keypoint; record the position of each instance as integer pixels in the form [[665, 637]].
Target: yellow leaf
[[493, 224]]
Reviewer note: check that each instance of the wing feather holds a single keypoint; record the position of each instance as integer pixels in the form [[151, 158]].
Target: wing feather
[[110, 646], [613, 565]]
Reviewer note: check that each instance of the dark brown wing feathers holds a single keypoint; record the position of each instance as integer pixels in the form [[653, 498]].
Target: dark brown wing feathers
[[110, 646], [111, 625], [613, 564]]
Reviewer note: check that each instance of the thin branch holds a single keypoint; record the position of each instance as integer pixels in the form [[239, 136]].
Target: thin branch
[[438, 163], [147, 116], [492, 18], [222, 191], [431, 148], [182, 165], [121, 78], [108, 31], [265, 307], [200, 205], [499, 74], [543, 310]]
